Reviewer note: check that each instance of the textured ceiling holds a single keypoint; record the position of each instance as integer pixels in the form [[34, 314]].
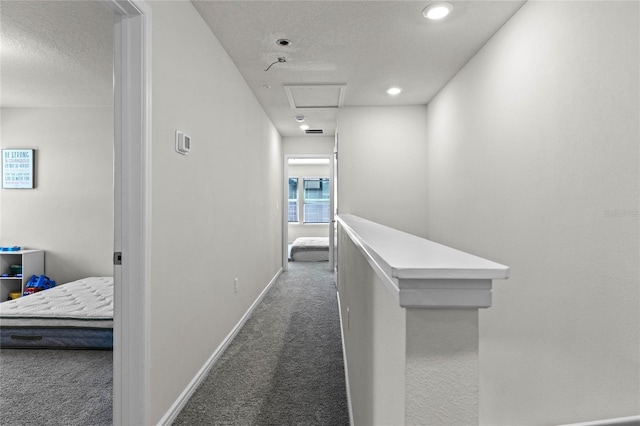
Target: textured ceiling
[[59, 53], [56, 53], [367, 45]]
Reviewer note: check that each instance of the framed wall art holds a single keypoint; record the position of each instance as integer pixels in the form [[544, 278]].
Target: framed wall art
[[18, 168]]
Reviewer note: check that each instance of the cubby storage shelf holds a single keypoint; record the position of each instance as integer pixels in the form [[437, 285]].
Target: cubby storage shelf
[[32, 262]]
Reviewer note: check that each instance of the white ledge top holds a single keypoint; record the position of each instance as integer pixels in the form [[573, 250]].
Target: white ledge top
[[410, 256], [419, 271]]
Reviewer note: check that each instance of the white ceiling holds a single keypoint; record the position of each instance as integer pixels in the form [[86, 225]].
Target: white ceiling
[[368, 46], [56, 53], [59, 53]]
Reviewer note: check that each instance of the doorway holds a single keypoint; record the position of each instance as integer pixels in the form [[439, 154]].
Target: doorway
[[132, 207], [305, 214], [57, 102]]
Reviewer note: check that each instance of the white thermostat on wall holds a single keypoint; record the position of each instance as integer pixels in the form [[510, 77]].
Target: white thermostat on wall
[[183, 143]]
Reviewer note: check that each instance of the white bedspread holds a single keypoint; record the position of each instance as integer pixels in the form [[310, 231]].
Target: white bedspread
[[310, 249], [73, 304]]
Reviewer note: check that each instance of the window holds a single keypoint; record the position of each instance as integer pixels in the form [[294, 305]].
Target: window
[[315, 193], [316, 200], [293, 200]]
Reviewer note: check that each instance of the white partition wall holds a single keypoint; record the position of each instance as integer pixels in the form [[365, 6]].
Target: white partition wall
[[409, 310]]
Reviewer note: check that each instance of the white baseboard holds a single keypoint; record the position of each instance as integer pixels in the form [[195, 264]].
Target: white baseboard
[[620, 421], [179, 404], [346, 369]]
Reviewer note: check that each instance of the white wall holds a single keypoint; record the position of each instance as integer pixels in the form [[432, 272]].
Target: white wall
[[441, 369], [308, 144], [373, 327], [216, 213], [301, 229], [70, 212], [382, 165], [531, 147]]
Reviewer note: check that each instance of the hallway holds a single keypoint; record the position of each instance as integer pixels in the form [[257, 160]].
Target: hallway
[[285, 366]]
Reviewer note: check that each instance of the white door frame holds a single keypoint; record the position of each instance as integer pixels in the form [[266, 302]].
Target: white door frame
[[285, 209], [132, 206]]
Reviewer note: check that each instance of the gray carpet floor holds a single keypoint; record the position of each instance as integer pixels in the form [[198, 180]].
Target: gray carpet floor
[[55, 387], [285, 367]]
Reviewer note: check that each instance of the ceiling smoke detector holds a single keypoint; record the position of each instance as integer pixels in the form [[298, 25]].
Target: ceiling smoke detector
[[300, 118], [283, 42]]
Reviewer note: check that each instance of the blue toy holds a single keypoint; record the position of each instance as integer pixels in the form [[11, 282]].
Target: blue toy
[[37, 284]]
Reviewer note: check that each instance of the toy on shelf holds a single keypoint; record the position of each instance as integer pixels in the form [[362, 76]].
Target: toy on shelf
[[37, 284]]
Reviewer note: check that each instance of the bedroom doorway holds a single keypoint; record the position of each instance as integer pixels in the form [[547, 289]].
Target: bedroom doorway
[[75, 126], [126, 25], [132, 139], [309, 200]]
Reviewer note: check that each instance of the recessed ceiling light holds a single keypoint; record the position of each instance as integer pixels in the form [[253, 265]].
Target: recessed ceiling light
[[266, 86], [394, 90], [304, 127], [283, 42], [300, 118], [436, 11]]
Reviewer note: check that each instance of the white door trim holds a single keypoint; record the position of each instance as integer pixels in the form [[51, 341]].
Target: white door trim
[[285, 209], [132, 206]]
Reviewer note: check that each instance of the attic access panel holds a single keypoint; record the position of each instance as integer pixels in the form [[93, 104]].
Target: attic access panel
[[315, 95]]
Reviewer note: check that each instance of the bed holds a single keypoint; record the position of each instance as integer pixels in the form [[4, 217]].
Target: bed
[[76, 315], [310, 249]]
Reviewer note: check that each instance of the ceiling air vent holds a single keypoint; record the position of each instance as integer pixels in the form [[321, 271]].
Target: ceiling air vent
[[314, 131]]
